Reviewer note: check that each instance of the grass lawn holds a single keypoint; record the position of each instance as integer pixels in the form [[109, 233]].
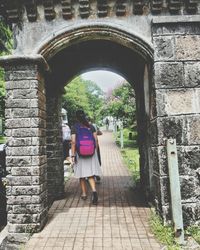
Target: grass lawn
[[130, 152]]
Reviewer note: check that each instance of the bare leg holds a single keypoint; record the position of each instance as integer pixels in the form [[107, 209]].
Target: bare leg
[[92, 183], [83, 186]]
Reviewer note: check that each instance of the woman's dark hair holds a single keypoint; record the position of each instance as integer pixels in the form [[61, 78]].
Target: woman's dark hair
[[81, 117]]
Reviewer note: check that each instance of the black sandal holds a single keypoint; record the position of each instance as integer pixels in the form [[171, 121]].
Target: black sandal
[[84, 197], [94, 198]]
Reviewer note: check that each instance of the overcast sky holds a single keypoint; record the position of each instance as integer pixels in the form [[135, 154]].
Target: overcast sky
[[106, 80]]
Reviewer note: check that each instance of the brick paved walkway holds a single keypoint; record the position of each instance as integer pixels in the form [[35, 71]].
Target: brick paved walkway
[[120, 221]]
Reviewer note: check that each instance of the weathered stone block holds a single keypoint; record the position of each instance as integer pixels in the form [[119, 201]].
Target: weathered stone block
[[192, 75], [24, 93], [190, 189], [38, 122], [19, 200], [168, 75], [39, 160], [191, 213], [177, 102], [22, 113], [171, 29], [17, 103], [36, 141], [171, 127], [18, 161], [18, 181], [27, 132], [164, 48], [25, 84], [35, 208], [27, 190], [18, 123], [17, 237], [188, 160], [22, 66], [19, 151], [187, 47], [38, 199], [41, 170], [21, 75], [38, 180], [28, 209], [22, 228], [192, 28], [21, 171], [23, 218], [12, 142], [193, 130], [35, 103]]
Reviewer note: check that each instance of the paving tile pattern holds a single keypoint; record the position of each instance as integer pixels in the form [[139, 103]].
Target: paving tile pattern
[[120, 221]]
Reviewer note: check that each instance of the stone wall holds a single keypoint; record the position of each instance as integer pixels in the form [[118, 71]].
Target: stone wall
[[55, 169], [26, 148], [177, 112]]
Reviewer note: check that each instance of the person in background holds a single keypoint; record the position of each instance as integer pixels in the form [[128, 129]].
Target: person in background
[[66, 132], [107, 123], [85, 167]]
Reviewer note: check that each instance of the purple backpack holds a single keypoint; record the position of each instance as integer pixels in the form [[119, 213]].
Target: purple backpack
[[85, 142]]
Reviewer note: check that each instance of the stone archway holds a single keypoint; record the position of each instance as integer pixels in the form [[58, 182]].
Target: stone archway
[[173, 111], [34, 153], [98, 49]]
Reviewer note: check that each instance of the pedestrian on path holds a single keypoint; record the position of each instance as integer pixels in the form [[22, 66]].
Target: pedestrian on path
[[85, 166], [66, 132]]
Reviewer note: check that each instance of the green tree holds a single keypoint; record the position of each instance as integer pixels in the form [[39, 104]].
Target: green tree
[[5, 48], [96, 99], [121, 104], [82, 94], [5, 39]]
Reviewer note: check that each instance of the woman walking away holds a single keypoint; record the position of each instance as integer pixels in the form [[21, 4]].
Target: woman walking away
[[84, 147]]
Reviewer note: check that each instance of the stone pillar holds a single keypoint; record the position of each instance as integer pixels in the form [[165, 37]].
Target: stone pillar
[[176, 112], [26, 157], [55, 168]]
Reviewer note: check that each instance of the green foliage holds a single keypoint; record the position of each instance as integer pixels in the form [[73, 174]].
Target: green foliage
[[130, 153], [6, 42], [82, 94], [2, 139], [194, 231], [131, 158], [121, 104], [163, 233], [127, 141], [5, 48]]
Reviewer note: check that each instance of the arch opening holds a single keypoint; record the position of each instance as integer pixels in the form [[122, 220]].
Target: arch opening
[[100, 54]]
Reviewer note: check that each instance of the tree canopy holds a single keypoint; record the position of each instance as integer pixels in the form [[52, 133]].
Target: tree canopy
[[121, 104], [5, 48], [82, 94], [5, 39]]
